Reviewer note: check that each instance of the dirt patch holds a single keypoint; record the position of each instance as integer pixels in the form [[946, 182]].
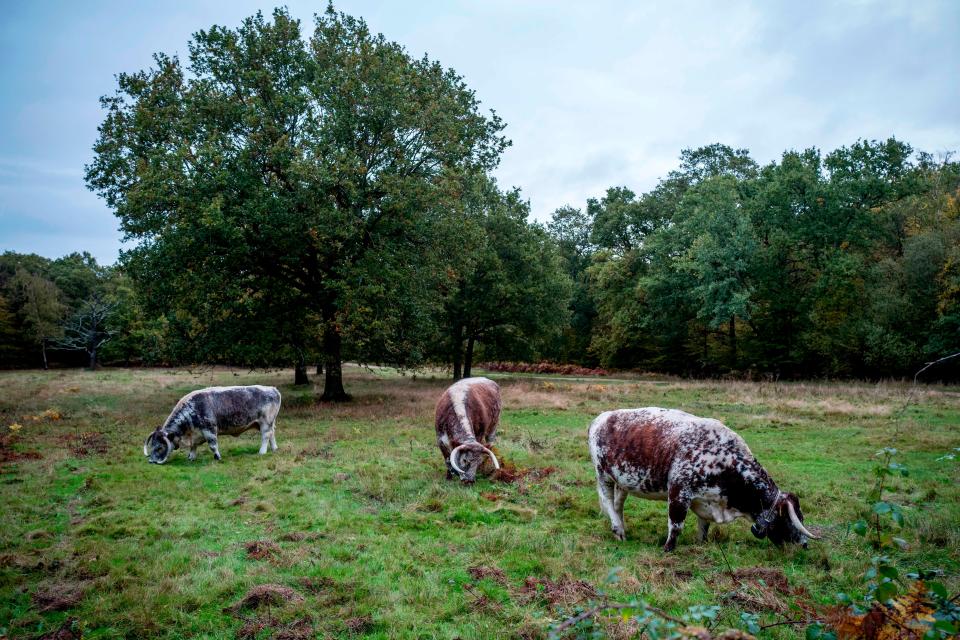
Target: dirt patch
[[297, 630], [359, 624], [510, 473], [562, 592], [323, 452], [316, 585], [89, 443], [262, 550], [58, 596], [480, 572], [239, 501], [273, 595], [69, 630], [294, 536], [757, 589], [9, 454]]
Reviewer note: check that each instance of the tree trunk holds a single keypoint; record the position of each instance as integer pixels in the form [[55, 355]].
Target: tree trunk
[[468, 360], [733, 342], [93, 360], [319, 368], [333, 381], [43, 348], [300, 373], [458, 353]]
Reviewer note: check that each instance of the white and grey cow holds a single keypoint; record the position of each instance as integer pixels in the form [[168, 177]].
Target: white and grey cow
[[208, 413], [694, 464]]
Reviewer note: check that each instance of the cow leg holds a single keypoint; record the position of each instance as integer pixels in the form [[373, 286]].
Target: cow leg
[[605, 489], [445, 452], [273, 436], [264, 437], [191, 442], [619, 497], [211, 439], [677, 504], [703, 528]]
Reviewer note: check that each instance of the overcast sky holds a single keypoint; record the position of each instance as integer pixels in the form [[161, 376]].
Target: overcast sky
[[594, 94]]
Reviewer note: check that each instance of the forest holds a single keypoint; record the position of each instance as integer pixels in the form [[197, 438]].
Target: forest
[[309, 202]]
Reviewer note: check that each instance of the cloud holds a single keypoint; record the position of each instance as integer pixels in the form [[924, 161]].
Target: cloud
[[594, 94]]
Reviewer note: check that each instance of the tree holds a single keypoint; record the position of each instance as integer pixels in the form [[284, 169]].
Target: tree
[[282, 190], [41, 309], [88, 330], [720, 248], [570, 229], [512, 294]]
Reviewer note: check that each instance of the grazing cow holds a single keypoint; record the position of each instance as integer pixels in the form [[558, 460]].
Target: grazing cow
[[467, 416], [692, 463], [213, 411]]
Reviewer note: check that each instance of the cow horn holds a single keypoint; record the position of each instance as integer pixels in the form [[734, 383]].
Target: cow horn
[[471, 445], [146, 442], [799, 525], [169, 444], [453, 459], [496, 464]]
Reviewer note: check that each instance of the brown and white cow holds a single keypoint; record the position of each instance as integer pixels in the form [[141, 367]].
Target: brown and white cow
[[692, 463], [467, 416]]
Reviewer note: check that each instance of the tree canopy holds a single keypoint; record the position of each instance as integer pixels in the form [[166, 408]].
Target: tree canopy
[[290, 194]]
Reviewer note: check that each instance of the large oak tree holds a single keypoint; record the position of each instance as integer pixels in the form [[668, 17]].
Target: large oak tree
[[291, 195]]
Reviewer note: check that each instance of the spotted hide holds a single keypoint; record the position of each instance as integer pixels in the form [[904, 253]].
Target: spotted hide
[[694, 464], [467, 416], [205, 414]]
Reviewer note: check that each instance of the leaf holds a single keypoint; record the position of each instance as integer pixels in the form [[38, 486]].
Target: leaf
[[885, 591], [946, 625], [888, 571], [937, 589], [860, 527], [882, 507]]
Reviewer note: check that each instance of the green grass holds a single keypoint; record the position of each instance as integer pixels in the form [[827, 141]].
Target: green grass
[[379, 545]]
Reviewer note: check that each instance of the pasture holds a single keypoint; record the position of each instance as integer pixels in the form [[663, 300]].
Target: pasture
[[353, 521]]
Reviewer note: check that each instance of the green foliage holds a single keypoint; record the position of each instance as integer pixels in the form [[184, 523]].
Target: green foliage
[[289, 196], [511, 292], [842, 264]]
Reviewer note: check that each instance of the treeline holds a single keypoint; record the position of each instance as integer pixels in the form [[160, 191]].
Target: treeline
[[844, 264], [306, 201], [72, 312]]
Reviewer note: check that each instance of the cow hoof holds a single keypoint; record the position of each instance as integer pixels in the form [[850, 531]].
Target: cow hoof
[[620, 535], [668, 548]]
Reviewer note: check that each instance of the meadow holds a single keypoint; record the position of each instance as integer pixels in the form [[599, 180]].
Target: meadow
[[355, 532]]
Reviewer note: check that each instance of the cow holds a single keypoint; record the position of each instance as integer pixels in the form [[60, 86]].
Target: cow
[[209, 412], [467, 416], [692, 463]]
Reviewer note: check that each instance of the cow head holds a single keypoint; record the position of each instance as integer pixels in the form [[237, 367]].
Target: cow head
[[466, 459], [158, 446], [783, 522]]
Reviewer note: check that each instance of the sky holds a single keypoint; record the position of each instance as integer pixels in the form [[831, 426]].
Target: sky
[[594, 94]]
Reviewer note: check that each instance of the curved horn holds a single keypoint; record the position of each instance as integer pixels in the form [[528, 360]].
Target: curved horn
[[169, 444], [799, 525], [496, 464], [453, 459], [146, 442]]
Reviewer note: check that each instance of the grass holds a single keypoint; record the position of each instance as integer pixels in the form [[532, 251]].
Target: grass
[[354, 516]]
